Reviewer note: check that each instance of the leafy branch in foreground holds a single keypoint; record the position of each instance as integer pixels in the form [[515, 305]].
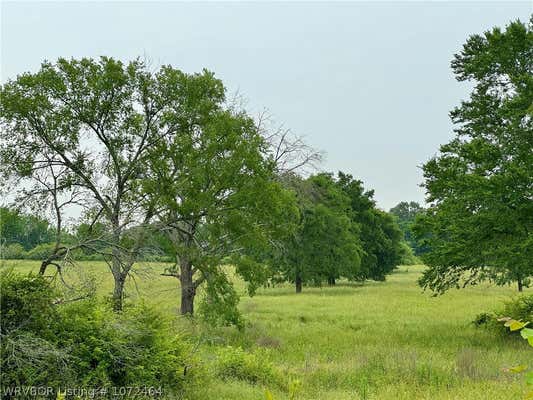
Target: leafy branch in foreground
[[527, 334]]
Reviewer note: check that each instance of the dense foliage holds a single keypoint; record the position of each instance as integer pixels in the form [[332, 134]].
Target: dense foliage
[[479, 187], [341, 234], [380, 236], [25, 230], [406, 214], [83, 344], [325, 246]]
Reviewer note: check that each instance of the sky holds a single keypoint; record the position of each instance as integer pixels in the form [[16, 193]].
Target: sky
[[368, 83]]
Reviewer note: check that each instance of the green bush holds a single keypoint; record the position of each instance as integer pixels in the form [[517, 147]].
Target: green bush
[[138, 347], [28, 323], [254, 368], [519, 308], [85, 344], [26, 304], [14, 251], [407, 256], [41, 251]]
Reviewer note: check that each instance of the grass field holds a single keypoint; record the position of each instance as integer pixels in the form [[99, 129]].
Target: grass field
[[386, 340]]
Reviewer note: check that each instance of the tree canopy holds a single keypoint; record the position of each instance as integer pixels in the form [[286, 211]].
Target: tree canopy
[[380, 235], [406, 214], [325, 244], [26, 230], [479, 187]]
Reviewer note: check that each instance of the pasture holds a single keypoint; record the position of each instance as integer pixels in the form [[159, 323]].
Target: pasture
[[378, 340]]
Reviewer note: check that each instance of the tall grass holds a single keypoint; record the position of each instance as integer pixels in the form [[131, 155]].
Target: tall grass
[[380, 340]]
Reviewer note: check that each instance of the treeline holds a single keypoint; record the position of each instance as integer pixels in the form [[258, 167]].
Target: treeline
[[362, 243], [27, 236]]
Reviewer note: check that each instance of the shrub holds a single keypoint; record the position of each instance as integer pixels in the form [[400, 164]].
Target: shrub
[[254, 368], [158, 353], [28, 322], [138, 347], [519, 308], [85, 344], [41, 251], [26, 304], [13, 251]]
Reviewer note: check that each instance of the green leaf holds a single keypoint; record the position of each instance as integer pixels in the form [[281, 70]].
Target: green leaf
[[526, 333]]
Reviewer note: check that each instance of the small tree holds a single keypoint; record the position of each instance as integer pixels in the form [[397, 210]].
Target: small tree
[[479, 187]]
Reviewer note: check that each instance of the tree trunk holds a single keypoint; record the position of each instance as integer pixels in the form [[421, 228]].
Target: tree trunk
[[520, 285], [116, 269], [331, 281], [298, 282], [188, 289], [118, 291], [42, 269]]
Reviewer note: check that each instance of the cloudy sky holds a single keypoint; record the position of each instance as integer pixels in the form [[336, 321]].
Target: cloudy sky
[[367, 82]]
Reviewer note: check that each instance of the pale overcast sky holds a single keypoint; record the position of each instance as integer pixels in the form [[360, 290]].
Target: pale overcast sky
[[369, 83]]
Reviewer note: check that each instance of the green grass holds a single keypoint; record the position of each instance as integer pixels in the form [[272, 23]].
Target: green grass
[[386, 340]]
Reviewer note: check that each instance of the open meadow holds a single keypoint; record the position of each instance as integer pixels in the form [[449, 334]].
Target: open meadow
[[378, 340], [321, 223]]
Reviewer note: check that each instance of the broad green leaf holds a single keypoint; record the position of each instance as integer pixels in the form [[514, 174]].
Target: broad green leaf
[[526, 333], [268, 395]]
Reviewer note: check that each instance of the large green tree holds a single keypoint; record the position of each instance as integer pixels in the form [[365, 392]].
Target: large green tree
[[480, 186], [217, 200], [96, 122]]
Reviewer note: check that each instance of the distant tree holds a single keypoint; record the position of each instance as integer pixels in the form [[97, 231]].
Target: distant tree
[[26, 230], [325, 246], [380, 235], [406, 213], [480, 221]]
